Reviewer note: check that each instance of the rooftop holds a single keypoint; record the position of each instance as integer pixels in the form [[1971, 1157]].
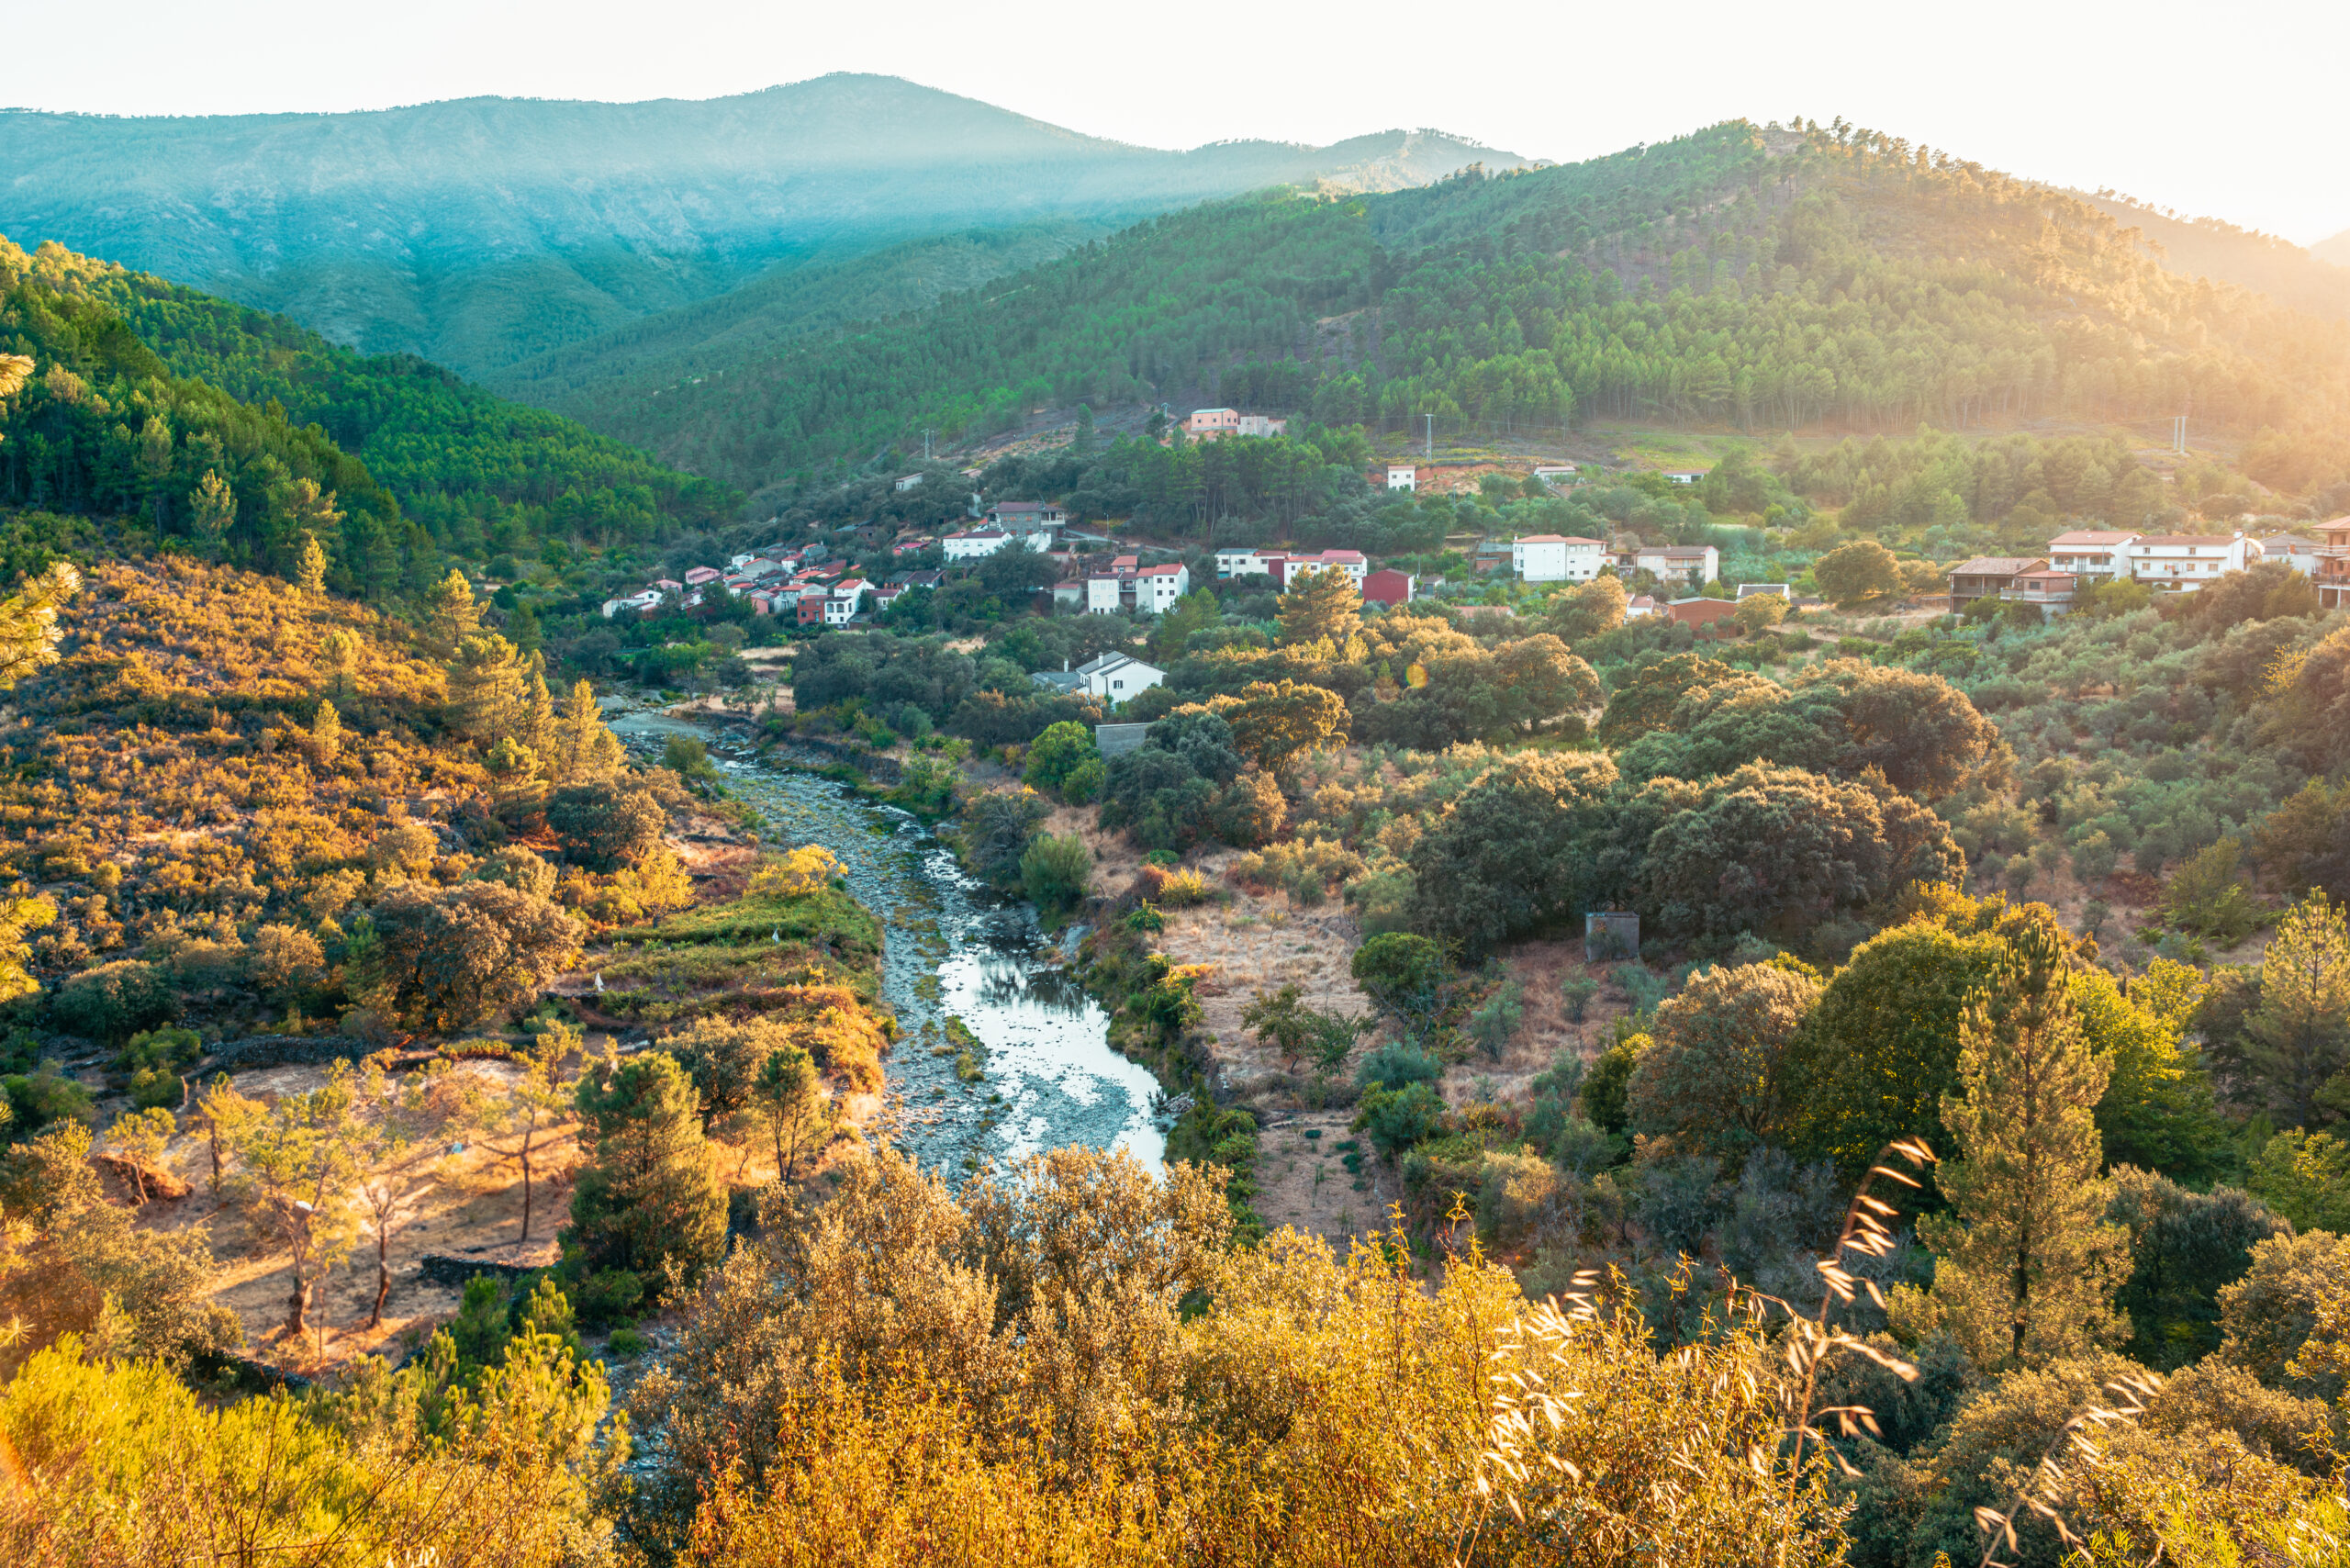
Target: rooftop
[[2081, 536], [1997, 566], [2177, 538]]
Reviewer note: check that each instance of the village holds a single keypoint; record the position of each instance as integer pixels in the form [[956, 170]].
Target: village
[[817, 585]]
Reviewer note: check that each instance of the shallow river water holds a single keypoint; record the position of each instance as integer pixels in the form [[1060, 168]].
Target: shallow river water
[[954, 948]]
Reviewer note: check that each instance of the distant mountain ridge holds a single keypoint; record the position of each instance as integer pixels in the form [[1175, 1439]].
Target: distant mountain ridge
[[2307, 279], [479, 232]]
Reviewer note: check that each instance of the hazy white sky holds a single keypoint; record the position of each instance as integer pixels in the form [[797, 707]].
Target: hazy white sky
[[2230, 110]]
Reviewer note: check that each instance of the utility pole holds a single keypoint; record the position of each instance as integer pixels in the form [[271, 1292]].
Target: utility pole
[[925, 444], [2178, 435], [1431, 448]]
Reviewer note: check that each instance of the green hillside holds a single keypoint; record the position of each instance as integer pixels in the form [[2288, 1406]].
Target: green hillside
[[141, 388], [598, 380], [1760, 279]]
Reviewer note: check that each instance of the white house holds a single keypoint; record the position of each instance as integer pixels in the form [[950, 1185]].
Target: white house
[[974, 543], [906, 482], [1686, 476], [844, 600], [1402, 477], [1158, 587], [2092, 554], [1104, 592], [1116, 677], [2181, 562], [1555, 473], [1749, 590], [1674, 563], [1262, 424], [1242, 563], [2296, 552], [639, 602], [1354, 563], [1641, 604], [1556, 558]]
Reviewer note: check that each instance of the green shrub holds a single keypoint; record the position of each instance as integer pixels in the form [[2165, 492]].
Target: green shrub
[[2207, 896], [1059, 754], [627, 1343], [1402, 972], [1576, 994], [1396, 1066], [1398, 1118], [1055, 870], [1605, 1085], [42, 1096], [164, 1047], [153, 1086], [114, 1002], [1493, 1024], [609, 1296], [1084, 782]]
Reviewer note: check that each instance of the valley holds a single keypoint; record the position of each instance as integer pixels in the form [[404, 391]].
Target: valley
[[828, 827]]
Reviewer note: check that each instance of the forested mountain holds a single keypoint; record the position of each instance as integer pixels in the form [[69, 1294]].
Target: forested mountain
[[481, 231], [240, 432], [2336, 249], [1756, 278], [598, 378]]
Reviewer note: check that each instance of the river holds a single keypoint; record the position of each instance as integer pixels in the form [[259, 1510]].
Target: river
[[954, 949]]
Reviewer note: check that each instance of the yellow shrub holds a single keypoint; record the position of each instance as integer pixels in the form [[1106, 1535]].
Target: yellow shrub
[[797, 873]]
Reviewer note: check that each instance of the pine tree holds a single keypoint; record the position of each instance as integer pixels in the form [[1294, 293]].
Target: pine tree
[[2027, 1267], [29, 628], [338, 657], [652, 1194], [536, 727], [310, 566], [451, 617], [585, 751], [2298, 1037], [326, 732], [1321, 604], [212, 508], [486, 688]]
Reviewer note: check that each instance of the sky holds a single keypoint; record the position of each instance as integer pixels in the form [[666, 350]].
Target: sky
[[2231, 112]]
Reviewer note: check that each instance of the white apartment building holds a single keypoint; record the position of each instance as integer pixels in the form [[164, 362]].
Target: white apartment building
[[1158, 587], [1242, 564], [1402, 477], [1556, 558], [2094, 555], [2181, 562], [1104, 591]]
